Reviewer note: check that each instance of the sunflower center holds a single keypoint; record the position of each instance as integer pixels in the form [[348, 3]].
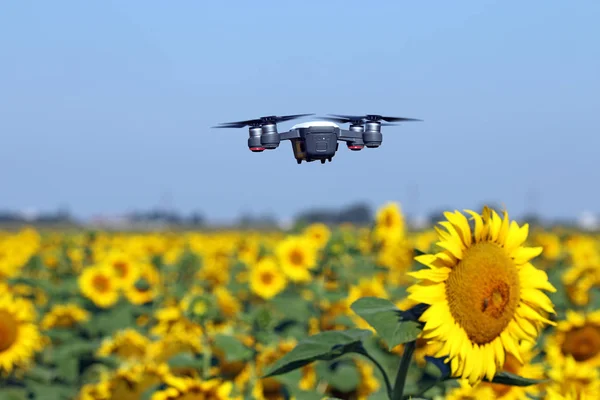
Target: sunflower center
[[483, 291], [120, 268], [388, 220], [101, 283], [266, 278], [582, 343], [8, 330], [296, 257]]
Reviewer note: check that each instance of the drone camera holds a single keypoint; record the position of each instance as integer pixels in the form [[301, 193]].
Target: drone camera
[[269, 136], [372, 135], [320, 143]]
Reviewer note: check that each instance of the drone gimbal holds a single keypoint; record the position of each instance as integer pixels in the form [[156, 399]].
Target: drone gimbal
[[315, 140]]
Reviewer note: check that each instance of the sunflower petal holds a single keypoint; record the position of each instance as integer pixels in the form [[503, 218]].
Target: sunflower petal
[[428, 294], [535, 278], [461, 224], [477, 234], [524, 254], [453, 247], [434, 275]]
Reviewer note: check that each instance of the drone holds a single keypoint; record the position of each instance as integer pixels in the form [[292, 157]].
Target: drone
[[316, 140]]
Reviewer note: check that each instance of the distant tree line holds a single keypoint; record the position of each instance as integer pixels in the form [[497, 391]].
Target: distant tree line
[[356, 213]]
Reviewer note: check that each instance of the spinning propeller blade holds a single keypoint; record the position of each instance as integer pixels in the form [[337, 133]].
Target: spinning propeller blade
[[261, 121]]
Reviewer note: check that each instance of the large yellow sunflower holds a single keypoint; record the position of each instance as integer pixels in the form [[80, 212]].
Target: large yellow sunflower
[[484, 294], [20, 338]]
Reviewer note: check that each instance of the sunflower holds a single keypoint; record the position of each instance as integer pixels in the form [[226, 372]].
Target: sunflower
[[124, 265], [64, 316], [228, 304], [297, 255], [127, 344], [389, 222], [572, 380], [99, 284], [20, 338], [484, 295], [578, 337], [266, 278], [174, 343], [318, 233], [132, 380], [147, 286], [551, 245], [190, 388]]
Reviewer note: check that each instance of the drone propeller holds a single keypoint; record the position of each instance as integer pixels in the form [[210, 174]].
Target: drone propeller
[[368, 118], [260, 121]]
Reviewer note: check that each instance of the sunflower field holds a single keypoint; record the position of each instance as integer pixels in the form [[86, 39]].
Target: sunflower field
[[476, 307]]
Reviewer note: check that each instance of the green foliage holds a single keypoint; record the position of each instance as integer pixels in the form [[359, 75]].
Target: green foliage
[[233, 349], [508, 378], [386, 319], [324, 346]]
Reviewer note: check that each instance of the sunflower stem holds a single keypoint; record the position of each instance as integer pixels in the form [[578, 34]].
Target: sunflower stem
[[386, 379], [407, 355]]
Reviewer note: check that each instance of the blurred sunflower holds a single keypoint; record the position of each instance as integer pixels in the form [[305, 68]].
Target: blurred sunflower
[[190, 388], [228, 304], [99, 284], [578, 337], [572, 381], [483, 293], [318, 233], [20, 338], [297, 255], [266, 278], [147, 286], [127, 344], [132, 380], [124, 265], [389, 222], [64, 316], [551, 244]]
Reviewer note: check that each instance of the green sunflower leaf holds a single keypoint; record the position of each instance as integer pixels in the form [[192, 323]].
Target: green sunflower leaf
[[9, 393], [233, 349], [385, 318], [324, 346], [508, 378]]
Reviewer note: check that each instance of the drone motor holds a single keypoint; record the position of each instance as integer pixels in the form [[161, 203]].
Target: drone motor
[[372, 134], [254, 141], [357, 144], [269, 136]]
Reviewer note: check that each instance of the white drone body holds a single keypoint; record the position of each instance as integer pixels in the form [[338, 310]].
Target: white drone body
[[315, 123]]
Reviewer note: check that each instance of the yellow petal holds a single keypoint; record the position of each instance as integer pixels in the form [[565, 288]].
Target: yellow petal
[[523, 254], [461, 224], [428, 294], [434, 275]]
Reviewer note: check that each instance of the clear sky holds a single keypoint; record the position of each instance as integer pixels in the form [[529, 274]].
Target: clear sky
[[107, 106]]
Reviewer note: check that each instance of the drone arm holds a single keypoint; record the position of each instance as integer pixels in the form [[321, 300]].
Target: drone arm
[[292, 134], [349, 136]]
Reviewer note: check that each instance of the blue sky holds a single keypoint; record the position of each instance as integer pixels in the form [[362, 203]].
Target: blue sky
[[107, 106]]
